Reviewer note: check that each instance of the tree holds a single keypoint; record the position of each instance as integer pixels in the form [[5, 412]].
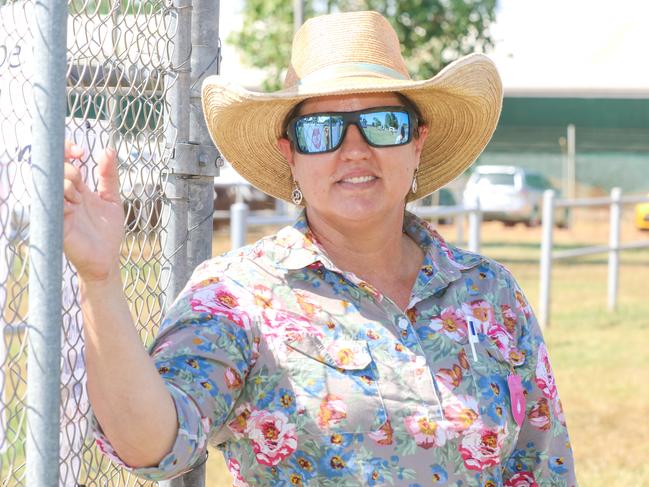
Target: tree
[[432, 32]]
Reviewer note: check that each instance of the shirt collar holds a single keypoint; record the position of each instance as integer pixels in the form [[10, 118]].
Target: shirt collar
[[297, 248]]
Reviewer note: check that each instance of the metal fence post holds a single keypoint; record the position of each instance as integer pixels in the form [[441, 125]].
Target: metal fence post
[[475, 217], [614, 248], [174, 268], [459, 229], [46, 243], [546, 258], [196, 157], [238, 224]]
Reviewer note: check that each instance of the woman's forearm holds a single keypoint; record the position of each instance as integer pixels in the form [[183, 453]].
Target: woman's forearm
[[128, 397]]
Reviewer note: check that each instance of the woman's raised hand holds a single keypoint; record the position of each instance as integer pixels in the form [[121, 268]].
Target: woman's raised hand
[[93, 221]]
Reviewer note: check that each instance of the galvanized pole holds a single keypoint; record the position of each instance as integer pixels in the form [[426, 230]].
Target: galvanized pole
[[475, 218], [195, 159], [570, 170], [46, 243], [459, 229], [614, 248], [546, 258], [174, 266], [238, 224], [206, 57], [298, 14]]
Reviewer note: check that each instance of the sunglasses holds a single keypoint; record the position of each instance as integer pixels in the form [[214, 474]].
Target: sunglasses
[[317, 133]]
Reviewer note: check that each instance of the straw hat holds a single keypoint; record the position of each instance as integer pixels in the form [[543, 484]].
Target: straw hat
[[347, 53]]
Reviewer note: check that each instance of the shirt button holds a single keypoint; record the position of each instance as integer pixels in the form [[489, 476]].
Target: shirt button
[[403, 323]]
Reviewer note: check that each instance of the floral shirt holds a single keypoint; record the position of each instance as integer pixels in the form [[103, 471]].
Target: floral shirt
[[303, 374]]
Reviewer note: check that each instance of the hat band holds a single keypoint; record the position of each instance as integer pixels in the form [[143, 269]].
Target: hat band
[[349, 70]]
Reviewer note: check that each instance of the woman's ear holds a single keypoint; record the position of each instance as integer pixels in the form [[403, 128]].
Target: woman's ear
[[421, 138], [286, 148]]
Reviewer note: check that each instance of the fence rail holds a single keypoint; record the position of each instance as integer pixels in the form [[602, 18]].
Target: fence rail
[[241, 219], [615, 203]]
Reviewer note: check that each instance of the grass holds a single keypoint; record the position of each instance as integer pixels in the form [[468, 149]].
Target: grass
[[600, 358]]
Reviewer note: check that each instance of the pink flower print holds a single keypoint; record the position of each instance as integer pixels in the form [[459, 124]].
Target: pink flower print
[[308, 308], [234, 468], [332, 411], [461, 412], [522, 479], [451, 378], [505, 343], [426, 433], [239, 424], [349, 354], [226, 298], [204, 301], [450, 322], [522, 304], [232, 378], [204, 284], [263, 298], [544, 375], [509, 318], [539, 415], [558, 410], [480, 447], [208, 300], [273, 437], [482, 314], [384, 435]]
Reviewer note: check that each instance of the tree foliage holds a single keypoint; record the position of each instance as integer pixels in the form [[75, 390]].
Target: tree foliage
[[432, 32]]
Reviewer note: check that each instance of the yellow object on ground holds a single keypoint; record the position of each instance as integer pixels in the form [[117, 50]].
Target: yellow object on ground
[[642, 216]]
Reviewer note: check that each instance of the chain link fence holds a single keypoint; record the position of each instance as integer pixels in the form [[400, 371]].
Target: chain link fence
[[127, 78]]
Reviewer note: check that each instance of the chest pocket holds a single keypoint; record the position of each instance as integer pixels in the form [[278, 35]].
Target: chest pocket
[[490, 374], [336, 385]]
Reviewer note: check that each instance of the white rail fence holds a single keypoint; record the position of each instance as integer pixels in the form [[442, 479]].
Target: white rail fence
[[241, 219], [615, 202]]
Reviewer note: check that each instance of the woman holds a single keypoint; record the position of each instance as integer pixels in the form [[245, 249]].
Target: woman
[[355, 347]]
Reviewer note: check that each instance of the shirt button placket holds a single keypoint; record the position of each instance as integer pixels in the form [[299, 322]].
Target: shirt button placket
[[405, 331]]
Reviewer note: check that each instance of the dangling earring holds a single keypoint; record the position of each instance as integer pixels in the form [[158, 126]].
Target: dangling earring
[[296, 194], [413, 188]]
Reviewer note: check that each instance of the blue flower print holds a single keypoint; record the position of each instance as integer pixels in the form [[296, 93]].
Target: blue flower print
[[373, 471], [285, 401], [493, 387], [439, 475], [557, 465], [303, 464], [337, 462]]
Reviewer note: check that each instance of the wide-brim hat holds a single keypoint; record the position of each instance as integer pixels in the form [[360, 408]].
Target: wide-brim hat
[[349, 53]]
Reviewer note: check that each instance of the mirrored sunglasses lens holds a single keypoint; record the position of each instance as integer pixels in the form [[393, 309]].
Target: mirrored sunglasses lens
[[386, 127], [318, 133]]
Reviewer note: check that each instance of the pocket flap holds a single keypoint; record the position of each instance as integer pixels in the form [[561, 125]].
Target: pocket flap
[[342, 354]]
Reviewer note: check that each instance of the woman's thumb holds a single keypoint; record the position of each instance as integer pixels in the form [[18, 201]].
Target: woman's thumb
[[108, 176]]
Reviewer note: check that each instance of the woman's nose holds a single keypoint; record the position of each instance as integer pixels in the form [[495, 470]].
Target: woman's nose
[[354, 144]]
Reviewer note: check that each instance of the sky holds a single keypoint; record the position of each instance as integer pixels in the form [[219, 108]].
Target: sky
[[542, 44]]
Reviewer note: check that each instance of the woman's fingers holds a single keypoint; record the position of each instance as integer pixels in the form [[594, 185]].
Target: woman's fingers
[[70, 192], [73, 174], [108, 181], [72, 150]]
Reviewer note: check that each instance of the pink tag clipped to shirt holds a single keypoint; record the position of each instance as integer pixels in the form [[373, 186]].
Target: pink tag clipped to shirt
[[517, 397]]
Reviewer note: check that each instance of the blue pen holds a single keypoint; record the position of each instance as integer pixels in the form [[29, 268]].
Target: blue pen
[[473, 338]]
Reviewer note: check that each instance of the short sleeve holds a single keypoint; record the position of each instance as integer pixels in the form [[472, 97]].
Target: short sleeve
[[543, 454], [204, 352]]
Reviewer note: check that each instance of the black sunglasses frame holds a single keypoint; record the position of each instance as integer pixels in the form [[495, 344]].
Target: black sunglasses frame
[[352, 118]]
